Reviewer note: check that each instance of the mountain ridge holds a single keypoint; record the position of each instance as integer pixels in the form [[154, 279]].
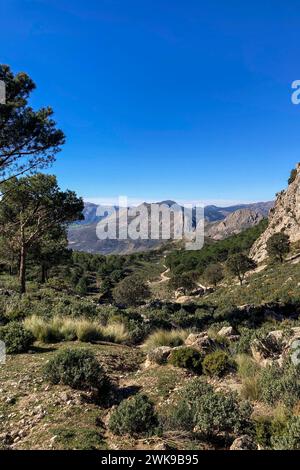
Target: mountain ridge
[[82, 235]]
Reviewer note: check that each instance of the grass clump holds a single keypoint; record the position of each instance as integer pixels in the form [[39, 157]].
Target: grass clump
[[59, 329], [16, 338], [187, 358], [172, 338], [116, 332], [249, 372], [88, 331], [135, 415], [43, 330], [77, 368]]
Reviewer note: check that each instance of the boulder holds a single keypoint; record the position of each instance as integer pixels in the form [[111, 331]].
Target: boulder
[[243, 443], [226, 331], [200, 341], [275, 335], [260, 352], [229, 333], [158, 355]]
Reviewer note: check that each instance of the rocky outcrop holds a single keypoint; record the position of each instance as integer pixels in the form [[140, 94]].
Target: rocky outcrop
[[234, 223], [284, 217], [229, 333], [243, 443], [277, 346], [200, 341]]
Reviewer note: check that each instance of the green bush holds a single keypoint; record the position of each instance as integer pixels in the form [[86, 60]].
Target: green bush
[[263, 432], [199, 408], [218, 412], [279, 384], [134, 416], [16, 338], [242, 346], [82, 286], [186, 358], [181, 416], [292, 176], [271, 431], [77, 368], [131, 291], [217, 363], [287, 437]]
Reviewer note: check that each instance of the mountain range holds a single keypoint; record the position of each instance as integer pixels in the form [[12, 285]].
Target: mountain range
[[220, 222]]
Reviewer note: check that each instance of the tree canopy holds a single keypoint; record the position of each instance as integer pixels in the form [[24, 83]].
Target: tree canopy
[[31, 208], [29, 139], [238, 264], [278, 245]]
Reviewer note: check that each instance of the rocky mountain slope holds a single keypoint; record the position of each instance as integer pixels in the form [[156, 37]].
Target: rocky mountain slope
[[215, 213], [234, 223], [285, 216], [82, 235]]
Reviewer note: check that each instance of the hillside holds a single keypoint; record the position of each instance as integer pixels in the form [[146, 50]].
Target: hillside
[[82, 235], [234, 223], [38, 414], [164, 349]]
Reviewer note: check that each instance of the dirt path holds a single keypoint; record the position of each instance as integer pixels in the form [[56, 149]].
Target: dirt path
[[163, 277]]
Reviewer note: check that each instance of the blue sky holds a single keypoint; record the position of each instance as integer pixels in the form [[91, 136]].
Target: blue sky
[[164, 98]]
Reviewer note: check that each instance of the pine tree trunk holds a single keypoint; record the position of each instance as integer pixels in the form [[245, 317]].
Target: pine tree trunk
[[22, 272]]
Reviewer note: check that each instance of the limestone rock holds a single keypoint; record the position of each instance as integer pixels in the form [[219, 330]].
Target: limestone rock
[[285, 216], [260, 351], [199, 341], [226, 331], [243, 443], [234, 223], [275, 335]]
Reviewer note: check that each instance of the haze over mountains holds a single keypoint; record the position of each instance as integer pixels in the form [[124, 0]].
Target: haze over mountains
[[220, 222]]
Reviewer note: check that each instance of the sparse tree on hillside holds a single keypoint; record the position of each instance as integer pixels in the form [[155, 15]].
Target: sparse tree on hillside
[[29, 139], [278, 245], [239, 264], [31, 208], [292, 176], [183, 281], [131, 291], [214, 274]]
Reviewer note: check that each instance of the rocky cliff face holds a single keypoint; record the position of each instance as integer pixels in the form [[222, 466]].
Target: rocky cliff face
[[284, 217], [233, 224]]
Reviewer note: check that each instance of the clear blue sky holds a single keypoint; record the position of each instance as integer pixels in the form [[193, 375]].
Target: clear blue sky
[[184, 99]]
